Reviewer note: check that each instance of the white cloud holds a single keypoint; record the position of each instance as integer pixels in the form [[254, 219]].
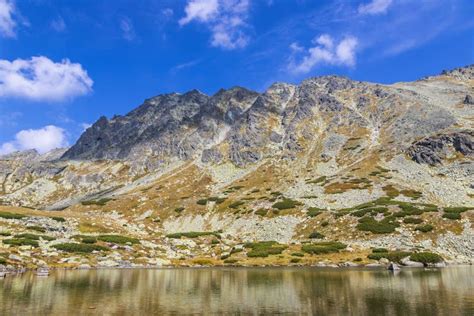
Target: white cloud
[[324, 52], [43, 140], [40, 79], [375, 7], [7, 24], [128, 31], [200, 10], [58, 24], [224, 18], [188, 64]]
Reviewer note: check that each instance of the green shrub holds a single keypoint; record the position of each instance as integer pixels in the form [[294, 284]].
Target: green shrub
[[89, 240], [230, 261], [412, 194], [81, 248], [285, 204], [264, 248], [318, 180], [378, 250], [223, 257], [34, 237], [259, 253], [384, 226], [58, 219], [426, 257], [8, 215], [216, 199], [297, 254], [235, 250], [314, 211], [215, 242], [261, 212], [377, 256], [430, 208], [3, 260], [201, 202], [424, 228], [452, 215], [21, 242], [458, 209], [323, 247], [191, 234], [220, 200], [100, 202], [179, 209], [394, 256], [316, 235], [325, 223], [370, 210], [361, 212], [412, 220], [6, 234], [118, 239], [236, 204], [410, 209], [295, 260], [37, 228]]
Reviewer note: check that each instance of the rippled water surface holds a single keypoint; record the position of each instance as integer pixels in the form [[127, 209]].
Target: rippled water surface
[[224, 291]]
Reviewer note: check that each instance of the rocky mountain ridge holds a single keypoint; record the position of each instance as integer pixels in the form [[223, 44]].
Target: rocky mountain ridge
[[366, 164]]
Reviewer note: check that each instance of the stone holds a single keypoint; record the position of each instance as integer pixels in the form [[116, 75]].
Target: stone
[[15, 258], [83, 266], [384, 261], [393, 267], [145, 215], [407, 262], [108, 263], [468, 99]]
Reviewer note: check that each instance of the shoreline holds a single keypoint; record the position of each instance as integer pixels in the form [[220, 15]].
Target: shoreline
[[362, 267]]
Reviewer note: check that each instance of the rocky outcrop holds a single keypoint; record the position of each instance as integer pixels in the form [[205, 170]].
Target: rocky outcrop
[[167, 126], [432, 150], [468, 99]]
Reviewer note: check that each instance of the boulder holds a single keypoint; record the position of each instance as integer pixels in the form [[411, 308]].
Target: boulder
[[468, 99], [15, 258], [407, 262], [393, 267]]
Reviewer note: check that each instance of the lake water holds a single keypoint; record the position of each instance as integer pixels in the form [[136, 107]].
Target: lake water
[[241, 291]]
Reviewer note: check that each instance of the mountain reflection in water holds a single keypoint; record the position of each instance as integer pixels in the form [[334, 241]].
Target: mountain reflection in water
[[448, 291]]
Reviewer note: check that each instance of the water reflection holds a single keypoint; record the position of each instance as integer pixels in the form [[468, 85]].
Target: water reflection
[[241, 291]]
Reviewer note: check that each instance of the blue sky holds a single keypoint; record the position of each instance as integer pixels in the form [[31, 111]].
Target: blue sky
[[63, 64]]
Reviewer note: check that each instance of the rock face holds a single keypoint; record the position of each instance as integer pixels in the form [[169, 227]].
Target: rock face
[[326, 124], [244, 127], [167, 126], [433, 150]]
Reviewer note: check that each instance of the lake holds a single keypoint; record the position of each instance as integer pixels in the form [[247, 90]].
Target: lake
[[254, 291]]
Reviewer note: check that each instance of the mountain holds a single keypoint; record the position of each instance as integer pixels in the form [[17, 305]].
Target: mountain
[[328, 145]]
